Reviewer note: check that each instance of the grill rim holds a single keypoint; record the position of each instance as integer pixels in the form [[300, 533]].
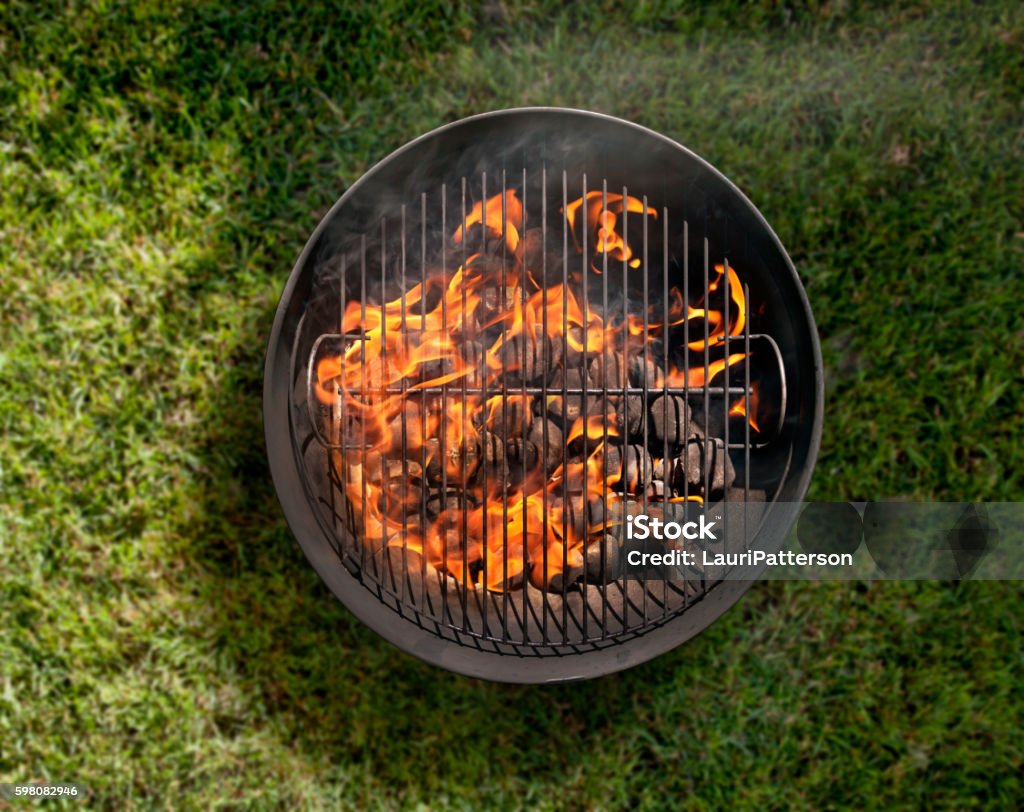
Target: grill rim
[[315, 541]]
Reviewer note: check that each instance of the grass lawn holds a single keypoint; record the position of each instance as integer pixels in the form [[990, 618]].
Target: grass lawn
[[162, 639]]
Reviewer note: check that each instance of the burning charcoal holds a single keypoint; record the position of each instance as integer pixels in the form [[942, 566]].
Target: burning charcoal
[[489, 241], [435, 405], [629, 415], [490, 303], [456, 456], [646, 371], [453, 501], [449, 541], [658, 469], [468, 354], [396, 469], [403, 497], [574, 459], [604, 559], [433, 460], [519, 452], [638, 465], [505, 416], [618, 510], [347, 428], [393, 563], [402, 558], [523, 358], [495, 467], [599, 428], [471, 451], [572, 345], [607, 369], [554, 350], [597, 515], [722, 472], [656, 490], [716, 417], [570, 577], [490, 296], [553, 451], [392, 439], [472, 354], [697, 428], [671, 418], [555, 568], [531, 249], [705, 460], [558, 580], [569, 513], [372, 465], [496, 580], [689, 468], [601, 514], [573, 404]]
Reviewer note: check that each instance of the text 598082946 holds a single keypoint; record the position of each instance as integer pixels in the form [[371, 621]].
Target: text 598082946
[[9, 792]]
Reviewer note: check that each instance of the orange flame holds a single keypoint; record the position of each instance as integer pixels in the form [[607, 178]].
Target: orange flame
[[597, 426], [446, 332], [513, 220], [739, 408], [601, 217]]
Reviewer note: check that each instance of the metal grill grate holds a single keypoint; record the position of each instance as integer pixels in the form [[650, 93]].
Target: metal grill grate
[[529, 620]]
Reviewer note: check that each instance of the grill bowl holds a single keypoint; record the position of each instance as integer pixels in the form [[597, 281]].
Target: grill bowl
[[577, 142]]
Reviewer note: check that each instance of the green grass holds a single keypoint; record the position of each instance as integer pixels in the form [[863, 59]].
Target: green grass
[[163, 640]]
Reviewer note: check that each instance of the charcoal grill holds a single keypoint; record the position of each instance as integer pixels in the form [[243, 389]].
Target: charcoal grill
[[616, 231]]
